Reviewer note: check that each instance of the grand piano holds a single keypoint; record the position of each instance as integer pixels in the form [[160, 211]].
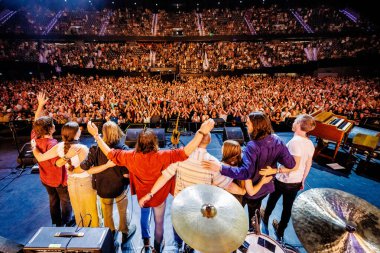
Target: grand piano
[[330, 128]]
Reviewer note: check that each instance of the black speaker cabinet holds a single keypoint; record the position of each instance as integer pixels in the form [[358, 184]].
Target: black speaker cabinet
[[133, 133], [233, 133], [94, 240], [26, 157]]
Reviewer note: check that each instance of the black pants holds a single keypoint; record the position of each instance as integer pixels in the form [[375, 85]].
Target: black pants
[[289, 192], [60, 205], [253, 205]]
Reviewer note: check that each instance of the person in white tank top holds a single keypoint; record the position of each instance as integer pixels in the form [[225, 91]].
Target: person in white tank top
[[72, 153], [289, 181]]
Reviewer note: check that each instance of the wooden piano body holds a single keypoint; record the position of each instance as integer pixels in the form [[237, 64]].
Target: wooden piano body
[[330, 127]]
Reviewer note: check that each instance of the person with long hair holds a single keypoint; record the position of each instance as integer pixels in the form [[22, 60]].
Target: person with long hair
[[264, 149], [110, 184], [145, 164], [53, 178], [289, 181], [232, 155], [190, 172], [72, 153]]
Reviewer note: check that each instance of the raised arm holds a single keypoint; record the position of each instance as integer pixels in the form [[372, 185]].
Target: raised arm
[[42, 99], [93, 130], [205, 128]]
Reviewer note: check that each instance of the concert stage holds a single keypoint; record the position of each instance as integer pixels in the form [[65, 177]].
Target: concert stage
[[24, 206]]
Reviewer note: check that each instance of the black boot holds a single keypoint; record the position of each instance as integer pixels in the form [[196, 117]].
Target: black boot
[[158, 246], [147, 245]]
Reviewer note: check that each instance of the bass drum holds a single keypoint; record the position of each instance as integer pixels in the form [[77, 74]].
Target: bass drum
[[260, 244]]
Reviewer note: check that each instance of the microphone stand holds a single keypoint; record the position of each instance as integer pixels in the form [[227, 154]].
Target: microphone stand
[[14, 135]]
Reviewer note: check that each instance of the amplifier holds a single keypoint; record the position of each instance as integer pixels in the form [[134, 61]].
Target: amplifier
[[93, 240]]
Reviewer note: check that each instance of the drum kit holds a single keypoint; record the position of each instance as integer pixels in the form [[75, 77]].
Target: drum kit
[[211, 220]]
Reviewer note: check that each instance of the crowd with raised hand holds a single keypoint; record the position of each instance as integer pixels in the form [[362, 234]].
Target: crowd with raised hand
[[194, 99]]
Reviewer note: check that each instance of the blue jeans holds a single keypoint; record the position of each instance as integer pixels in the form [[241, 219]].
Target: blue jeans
[[60, 206], [146, 215]]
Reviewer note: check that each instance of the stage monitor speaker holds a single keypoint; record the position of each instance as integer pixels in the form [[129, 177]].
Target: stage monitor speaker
[[233, 133], [133, 133], [94, 240], [26, 157], [372, 123]]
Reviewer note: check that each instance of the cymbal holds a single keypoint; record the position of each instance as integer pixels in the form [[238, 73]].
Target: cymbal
[[330, 220], [209, 219]]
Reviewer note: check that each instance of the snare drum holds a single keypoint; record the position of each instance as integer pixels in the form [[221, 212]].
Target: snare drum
[[261, 244]]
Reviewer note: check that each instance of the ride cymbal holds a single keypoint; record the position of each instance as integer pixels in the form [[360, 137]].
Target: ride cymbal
[[209, 219], [329, 220]]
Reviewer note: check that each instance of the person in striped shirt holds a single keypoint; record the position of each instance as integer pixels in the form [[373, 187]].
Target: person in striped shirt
[[190, 172]]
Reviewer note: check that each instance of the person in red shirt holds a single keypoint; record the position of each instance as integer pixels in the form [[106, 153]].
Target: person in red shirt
[[53, 178], [145, 165]]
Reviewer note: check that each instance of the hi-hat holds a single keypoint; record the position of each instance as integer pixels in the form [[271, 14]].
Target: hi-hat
[[329, 220], [209, 219]]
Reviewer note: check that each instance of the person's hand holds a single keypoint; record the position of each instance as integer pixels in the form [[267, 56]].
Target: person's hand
[[73, 151], [143, 200], [211, 165], [266, 179], [207, 126], [42, 99], [92, 128], [268, 171], [110, 164], [33, 143]]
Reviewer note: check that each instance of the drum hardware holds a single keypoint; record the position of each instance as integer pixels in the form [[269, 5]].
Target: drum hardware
[[258, 242], [330, 220]]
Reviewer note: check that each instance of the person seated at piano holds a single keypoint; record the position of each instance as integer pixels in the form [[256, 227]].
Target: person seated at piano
[[289, 181]]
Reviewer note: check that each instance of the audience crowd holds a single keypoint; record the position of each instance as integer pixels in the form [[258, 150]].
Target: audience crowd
[[189, 57], [195, 99], [271, 19]]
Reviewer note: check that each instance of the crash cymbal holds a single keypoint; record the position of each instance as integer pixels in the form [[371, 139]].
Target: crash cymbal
[[329, 220], [209, 219]]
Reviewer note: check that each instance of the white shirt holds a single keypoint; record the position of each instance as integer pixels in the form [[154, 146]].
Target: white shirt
[[301, 147], [191, 172], [74, 161]]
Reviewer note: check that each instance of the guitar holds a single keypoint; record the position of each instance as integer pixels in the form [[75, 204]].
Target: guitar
[[175, 135]]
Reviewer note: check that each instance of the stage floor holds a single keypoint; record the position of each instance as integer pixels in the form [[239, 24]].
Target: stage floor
[[24, 206]]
